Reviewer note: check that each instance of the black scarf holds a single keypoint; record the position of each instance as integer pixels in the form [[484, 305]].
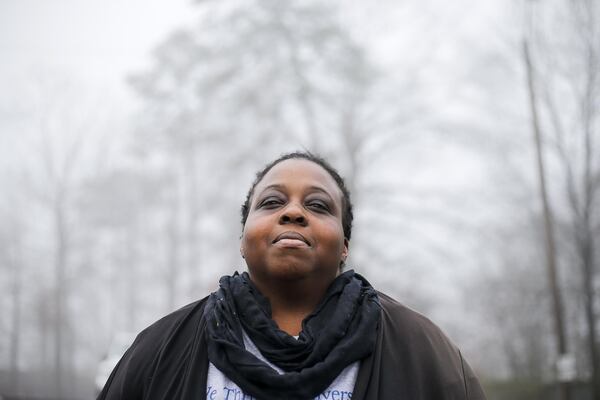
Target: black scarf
[[340, 331]]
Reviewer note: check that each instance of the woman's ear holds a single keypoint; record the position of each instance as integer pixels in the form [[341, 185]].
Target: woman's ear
[[346, 249], [344, 255], [242, 251]]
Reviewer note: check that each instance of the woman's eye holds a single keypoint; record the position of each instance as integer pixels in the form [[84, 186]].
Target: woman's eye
[[270, 202], [318, 205]]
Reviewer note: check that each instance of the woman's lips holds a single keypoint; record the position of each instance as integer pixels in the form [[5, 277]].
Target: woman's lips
[[291, 239], [290, 243]]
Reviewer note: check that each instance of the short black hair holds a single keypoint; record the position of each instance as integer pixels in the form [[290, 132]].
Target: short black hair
[[347, 214]]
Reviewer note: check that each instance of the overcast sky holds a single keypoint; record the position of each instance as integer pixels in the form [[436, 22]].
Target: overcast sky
[[98, 41]]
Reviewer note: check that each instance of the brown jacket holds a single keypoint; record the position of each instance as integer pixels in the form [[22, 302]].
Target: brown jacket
[[412, 360]]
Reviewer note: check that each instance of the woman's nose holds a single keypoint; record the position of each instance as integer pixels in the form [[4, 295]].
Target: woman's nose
[[293, 214]]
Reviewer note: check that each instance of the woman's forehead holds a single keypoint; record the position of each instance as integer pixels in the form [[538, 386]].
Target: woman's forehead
[[299, 172]]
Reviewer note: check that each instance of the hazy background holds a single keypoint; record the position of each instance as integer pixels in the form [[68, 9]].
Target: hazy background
[[131, 131]]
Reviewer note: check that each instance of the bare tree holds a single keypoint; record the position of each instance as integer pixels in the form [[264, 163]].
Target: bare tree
[[568, 70], [559, 75], [11, 258], [550, 243], [53, 164]]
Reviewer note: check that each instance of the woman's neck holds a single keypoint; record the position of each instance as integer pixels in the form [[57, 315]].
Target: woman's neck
[[292, 301]]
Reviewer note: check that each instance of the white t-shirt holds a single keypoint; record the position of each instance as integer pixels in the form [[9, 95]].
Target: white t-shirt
[[220, 387]]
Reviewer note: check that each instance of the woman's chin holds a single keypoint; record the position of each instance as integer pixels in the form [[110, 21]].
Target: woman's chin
[[287, 272], [293, 273]]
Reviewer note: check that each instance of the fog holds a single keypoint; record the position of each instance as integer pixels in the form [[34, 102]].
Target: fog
[[130, 134]]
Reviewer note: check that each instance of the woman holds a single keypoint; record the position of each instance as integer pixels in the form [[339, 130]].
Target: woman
[[295, 326]]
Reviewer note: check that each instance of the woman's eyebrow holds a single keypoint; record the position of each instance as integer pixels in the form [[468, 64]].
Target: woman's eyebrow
[[275, 186], [321, 190]]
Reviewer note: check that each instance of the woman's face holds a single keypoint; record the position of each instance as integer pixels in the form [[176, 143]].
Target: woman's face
[[294, 226]]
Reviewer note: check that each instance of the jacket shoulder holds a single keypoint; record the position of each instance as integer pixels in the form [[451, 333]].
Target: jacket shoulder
[[159, 331], [412, 343], [172, 334], [419, 339], [406, 321]]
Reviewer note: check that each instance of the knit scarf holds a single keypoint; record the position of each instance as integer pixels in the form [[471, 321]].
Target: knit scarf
[[340, 331]]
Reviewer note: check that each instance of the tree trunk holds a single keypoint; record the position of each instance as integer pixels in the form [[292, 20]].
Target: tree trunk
[[60, 262], [15, 334], [193, 217], [589, 108], [590, 315], [550, 246], [132, 278], [173, 253]]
